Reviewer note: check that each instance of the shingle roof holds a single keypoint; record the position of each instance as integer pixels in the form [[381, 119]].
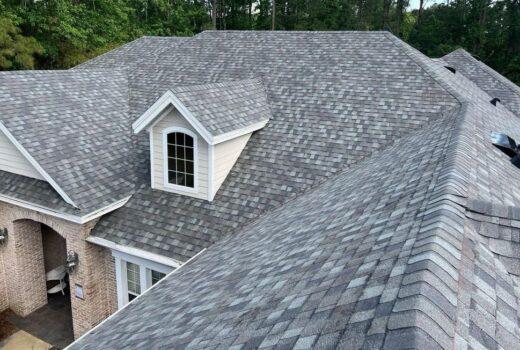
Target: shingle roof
[[385, 255], [144, 49], [37, 192], [75, 125], [486, 78], [335, 97], [226, 107], [342, 238]]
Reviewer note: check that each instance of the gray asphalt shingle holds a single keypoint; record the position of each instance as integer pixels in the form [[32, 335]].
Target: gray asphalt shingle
[[335, 98], [226, 107], [75, 124], [485, 78], [371, 212], [385, 255]]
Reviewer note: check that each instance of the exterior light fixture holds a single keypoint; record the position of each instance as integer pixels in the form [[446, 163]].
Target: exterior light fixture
[[3, 236], [72, 261]]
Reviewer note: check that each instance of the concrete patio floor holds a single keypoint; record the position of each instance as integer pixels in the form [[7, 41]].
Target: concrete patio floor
[[22, 340], [52, 324]]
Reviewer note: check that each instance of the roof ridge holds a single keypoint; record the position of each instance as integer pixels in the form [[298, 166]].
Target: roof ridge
[[368, 32], [218, 84], [489, 70], [443, 244], [417, 57], [118, 48], [340, 172]]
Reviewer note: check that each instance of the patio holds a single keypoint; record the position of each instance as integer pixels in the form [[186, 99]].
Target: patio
[[51, 324]]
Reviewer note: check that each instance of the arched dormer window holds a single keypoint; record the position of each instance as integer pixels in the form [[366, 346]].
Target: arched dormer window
[[180, 159]]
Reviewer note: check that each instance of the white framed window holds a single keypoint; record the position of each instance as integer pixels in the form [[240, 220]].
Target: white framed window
[[133, 280], [180, 158], [135, 275]]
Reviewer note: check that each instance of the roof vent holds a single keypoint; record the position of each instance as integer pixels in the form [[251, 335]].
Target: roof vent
[[494, 101], [451, 69], [504, 143]]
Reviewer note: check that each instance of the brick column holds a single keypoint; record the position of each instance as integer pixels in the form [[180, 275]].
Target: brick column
[[4, 301], [28, 291], [93, 275]]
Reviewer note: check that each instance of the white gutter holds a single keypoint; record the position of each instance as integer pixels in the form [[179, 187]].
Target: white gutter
[[137, 298], [134, 251], [68, 217], [240, 132]]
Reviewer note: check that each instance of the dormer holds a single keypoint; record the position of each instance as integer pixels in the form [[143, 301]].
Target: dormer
[[198, 132]]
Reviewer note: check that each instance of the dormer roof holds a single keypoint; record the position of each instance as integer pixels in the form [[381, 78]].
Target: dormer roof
[[218, 111]]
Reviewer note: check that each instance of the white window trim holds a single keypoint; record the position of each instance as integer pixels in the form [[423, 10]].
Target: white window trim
[[145, 267], [166, 184]]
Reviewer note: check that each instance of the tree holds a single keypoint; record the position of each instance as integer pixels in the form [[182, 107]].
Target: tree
[[273, 16], [72, 31], [16, 51]]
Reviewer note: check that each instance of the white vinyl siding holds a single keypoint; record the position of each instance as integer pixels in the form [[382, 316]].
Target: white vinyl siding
[[13, 161], [225, 156], [174, 119]]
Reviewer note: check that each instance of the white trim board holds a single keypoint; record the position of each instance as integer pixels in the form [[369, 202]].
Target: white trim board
[[37, 166], [169, 99], [93, 330], [135, 252], [145, 269], [211, 167], [68, 217]]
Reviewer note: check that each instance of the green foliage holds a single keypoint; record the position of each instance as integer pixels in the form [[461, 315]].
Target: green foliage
[[16, 51], [62, 33], [490, 31]]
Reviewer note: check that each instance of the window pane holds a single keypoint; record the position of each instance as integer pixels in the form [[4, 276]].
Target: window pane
[[190, 181], [171, 150], [189, 167], [171, 164], [180, 165], [157, 276], [171, 177], [133, 278], [189, 153], [180, 179], [189, 141], [180, 138], [171, 139], [180, 152]]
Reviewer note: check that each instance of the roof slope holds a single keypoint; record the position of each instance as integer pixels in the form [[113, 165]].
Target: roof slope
[[226, 107], [218, 109], [144, 49], [382, 256], [37, 192], [335, 97], [486, 78], [75, 125]]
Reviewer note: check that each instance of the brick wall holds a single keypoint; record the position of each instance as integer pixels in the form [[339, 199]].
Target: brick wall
[[26, 286], [22, 267], [3, 289]]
